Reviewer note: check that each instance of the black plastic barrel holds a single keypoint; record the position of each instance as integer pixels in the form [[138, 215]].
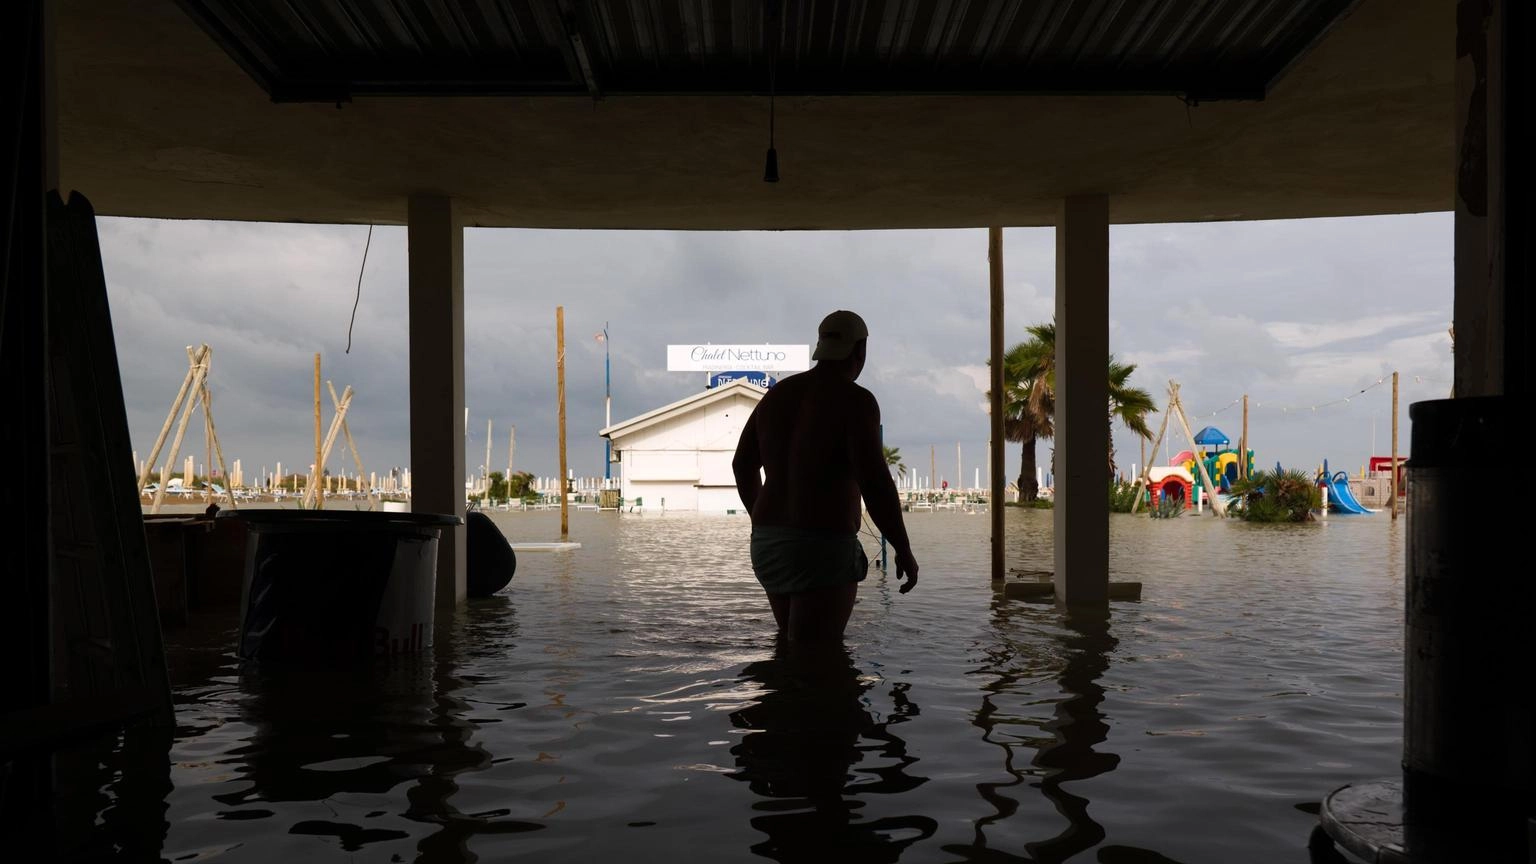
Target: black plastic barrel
[[337, 585], [1468, 721], [489, 561]]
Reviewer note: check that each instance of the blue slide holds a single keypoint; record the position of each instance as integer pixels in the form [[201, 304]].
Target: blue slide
[[1340, 499]]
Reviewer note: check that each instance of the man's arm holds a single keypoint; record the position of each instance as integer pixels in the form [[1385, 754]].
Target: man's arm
[[748, 464], [875, 483]]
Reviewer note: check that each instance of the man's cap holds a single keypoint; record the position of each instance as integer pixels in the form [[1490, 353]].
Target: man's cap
[[838, 334]]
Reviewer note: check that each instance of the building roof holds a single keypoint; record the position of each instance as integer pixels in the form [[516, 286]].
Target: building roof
[[894, 114], [702, 399]]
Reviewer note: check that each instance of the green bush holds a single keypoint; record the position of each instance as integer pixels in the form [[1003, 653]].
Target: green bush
[[1122, 496], [1277, 496]]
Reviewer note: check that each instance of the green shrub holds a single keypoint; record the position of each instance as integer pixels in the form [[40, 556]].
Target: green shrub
[[1277, 496], [1122, 496]]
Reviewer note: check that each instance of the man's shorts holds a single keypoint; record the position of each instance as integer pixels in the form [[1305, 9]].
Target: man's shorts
[[791, 560]]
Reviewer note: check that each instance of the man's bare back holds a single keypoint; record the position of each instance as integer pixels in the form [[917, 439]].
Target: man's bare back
[[808, 454], [805, 430]]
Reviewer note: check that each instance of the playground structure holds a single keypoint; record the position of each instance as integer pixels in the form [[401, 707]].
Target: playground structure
[[1223, 464], [1196, 470], [1338, 497], [1211, 468], [1171, 483]]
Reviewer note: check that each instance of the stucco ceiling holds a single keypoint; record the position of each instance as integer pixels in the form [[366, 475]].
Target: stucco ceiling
[[157, 120]]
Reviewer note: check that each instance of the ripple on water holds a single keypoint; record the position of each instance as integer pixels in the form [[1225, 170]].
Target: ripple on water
[[627, 700]]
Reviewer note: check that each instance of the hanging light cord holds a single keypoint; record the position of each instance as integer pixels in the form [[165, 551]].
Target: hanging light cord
[[775, 35], [359, 298]]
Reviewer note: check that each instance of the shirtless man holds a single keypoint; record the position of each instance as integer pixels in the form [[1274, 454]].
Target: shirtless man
[[816, 436]]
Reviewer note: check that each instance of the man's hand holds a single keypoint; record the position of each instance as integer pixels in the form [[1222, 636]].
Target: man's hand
[[906, 570]]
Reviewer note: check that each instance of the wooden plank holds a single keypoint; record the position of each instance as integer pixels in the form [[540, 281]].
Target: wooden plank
[[107, 644]]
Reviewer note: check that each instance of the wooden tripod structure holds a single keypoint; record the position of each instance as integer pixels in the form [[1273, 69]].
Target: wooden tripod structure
[[1176, 409], [194, 390], [312, 495]]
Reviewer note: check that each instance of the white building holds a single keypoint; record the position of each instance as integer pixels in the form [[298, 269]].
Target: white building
[[678, 457]]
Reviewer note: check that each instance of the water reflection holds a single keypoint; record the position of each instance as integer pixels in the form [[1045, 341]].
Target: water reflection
[[320, 734], [1079, 726], [1076, 729], [809, 730]]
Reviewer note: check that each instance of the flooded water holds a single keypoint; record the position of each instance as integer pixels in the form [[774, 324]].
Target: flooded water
[[625, 702]]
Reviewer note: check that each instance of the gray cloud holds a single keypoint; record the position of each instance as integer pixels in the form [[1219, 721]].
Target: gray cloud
[[1293, 313]]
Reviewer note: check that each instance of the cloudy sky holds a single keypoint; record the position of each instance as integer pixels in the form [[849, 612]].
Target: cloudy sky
[[1296, 314]]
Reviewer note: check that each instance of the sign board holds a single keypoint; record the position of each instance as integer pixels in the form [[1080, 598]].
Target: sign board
[[727, 358], [761, 379]]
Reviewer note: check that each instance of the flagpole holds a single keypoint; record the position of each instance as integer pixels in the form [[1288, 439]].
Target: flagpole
[[607, 407]]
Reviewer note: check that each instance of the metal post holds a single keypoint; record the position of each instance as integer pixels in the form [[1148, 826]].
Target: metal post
[[607, 406], [887, 468], [565, 516], [1395, 490]]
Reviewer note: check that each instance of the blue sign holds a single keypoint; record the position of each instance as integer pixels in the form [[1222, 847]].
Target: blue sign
[[761, 379]]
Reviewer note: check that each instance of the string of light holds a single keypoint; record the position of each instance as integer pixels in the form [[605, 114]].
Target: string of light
[[1303, 408]]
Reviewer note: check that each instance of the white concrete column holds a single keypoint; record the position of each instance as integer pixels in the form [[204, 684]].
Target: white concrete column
[[1082, 393], [436, 240]]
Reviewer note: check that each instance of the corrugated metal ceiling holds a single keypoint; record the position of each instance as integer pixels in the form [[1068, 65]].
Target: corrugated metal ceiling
[[330, 50]]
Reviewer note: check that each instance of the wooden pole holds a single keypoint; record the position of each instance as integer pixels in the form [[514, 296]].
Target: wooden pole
[[996, 460], [933, 470], [319, 462], [485, 494], [208, 443], [1146, 470], [1242, 454], [511, 448], [1394, 445], [195, 358], [351, 444], [218, 449], [565, 516], [199, 375], [317, 494], [1217, 507]]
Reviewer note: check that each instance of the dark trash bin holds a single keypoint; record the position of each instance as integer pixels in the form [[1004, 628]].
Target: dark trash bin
[[1469, 766], [489, 561], [337, 585]]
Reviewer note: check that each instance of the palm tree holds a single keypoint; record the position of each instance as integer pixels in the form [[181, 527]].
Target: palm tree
[[1130, 405], [1029, 400], [893, 460]]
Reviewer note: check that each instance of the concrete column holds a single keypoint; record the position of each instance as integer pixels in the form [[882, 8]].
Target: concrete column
[[1082, 394], [1493, 217], [436, 304]]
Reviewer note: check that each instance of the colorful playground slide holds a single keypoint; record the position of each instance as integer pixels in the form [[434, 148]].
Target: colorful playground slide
[[1340, 499]]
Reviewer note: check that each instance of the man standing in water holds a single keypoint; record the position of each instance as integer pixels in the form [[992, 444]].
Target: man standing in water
[[816, 437]]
